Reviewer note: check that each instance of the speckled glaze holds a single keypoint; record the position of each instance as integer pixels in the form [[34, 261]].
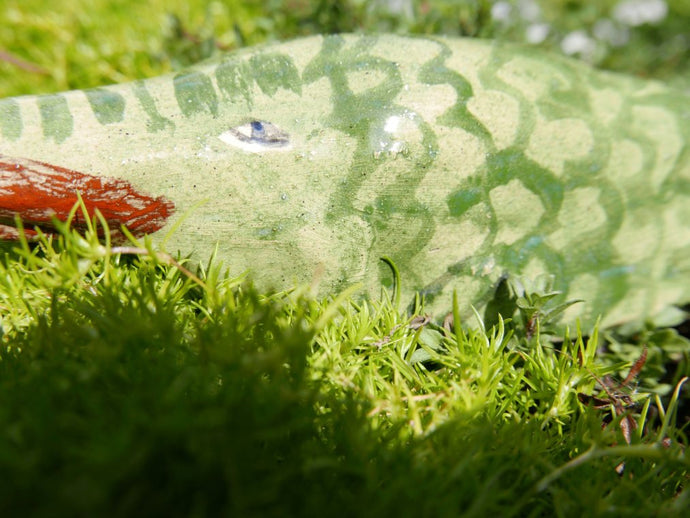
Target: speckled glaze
[[462, 160]]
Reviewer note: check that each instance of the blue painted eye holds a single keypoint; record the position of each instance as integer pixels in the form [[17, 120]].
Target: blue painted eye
[[257, 129], [257, 135]]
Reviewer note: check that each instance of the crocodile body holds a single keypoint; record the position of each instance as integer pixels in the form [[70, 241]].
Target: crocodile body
[[461, 160]]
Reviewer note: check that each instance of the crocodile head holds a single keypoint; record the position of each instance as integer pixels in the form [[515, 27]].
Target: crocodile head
[[461, 160]]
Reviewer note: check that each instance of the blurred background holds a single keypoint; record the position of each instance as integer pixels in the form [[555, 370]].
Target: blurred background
[[64, 44]]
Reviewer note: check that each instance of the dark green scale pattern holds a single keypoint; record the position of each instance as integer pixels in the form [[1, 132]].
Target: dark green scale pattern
[[402, 226]]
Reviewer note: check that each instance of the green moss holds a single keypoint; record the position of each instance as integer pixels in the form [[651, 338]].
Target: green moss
[[129, 386]]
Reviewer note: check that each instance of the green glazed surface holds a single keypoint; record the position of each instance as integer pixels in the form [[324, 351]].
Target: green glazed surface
[[461, 160]]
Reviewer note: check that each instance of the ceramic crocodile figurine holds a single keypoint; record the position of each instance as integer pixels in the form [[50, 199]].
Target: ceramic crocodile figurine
[[461, 160]]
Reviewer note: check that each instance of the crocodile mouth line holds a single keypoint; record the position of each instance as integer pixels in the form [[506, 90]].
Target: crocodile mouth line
[[39, 193]]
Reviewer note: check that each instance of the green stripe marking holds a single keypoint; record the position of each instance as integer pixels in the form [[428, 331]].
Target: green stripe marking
[[156, 121], [232, 80], [10, 119], [57, 121], [195, 94], [274, 71], [107, 106]]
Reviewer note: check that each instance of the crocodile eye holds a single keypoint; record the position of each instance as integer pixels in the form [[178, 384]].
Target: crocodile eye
[[257, 136], [257, 129]]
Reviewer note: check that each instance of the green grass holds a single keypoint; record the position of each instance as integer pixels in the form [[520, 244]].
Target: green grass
[[129, 386]]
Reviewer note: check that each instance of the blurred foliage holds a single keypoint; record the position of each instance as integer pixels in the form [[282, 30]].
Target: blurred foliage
[[83, 43]]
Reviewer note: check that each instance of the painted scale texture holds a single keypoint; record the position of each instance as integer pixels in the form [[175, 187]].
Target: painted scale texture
[[462, 160]]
